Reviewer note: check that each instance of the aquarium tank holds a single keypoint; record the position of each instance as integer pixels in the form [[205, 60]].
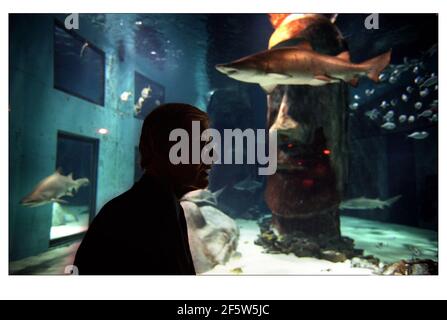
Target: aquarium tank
[[349, 100]]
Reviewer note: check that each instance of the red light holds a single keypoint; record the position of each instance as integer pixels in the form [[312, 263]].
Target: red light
[[307, 183], [289, 145], [327, 152]]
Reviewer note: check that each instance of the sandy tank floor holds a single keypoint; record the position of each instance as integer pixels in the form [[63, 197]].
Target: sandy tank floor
[[388, 242]]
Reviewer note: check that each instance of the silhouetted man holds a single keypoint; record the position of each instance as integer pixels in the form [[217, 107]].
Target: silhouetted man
[[143, 231]]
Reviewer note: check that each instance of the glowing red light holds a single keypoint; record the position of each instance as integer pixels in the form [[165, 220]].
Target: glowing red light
[[289, 145], [307, 183], [327, 152]]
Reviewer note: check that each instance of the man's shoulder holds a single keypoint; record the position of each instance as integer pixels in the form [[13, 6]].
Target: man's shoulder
[[137, 198]]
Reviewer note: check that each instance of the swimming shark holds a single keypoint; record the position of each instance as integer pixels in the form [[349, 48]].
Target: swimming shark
[[203, 197], [248, 184], [301, 65], [52, 188], [363, 203]]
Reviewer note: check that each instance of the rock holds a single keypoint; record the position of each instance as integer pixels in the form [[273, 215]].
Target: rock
[[335, 249], [333, 256], [213, 235], [368, 262], [414, 267]]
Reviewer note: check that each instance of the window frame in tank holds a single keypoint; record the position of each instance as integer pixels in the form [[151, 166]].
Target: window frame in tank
[[92, 46], [94, 184]]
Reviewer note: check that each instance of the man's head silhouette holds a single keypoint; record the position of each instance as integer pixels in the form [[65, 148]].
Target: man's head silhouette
[[155, 145]]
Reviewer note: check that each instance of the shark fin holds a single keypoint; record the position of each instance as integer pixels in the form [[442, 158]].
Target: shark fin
[[344, 56], [390, 201], [376, 65], [278, 76], [268, 88], [59, 200], [323, 77], [217, 193]]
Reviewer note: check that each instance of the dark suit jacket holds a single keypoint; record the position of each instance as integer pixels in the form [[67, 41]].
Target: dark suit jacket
[[141, 232]]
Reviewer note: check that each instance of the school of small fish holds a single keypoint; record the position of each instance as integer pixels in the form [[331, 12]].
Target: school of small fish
[[418, 101]]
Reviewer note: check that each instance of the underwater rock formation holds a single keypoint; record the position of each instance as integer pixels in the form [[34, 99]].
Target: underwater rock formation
[[213, 236], [305, 192], [414, 267], [334, 249]]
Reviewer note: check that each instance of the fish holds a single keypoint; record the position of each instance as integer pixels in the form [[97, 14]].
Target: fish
[[410, 89], [384, 104], [372, 114], [434, 104], [424, 93], [84, 46], [392, 80], [125, 95], [52, 189], [248, 184], [418, 80], [363, 203], [402, 118], [425, 114], [301, 65], [369, 92], [404, 97], [394, 102], [418, 135], [388, 116], [145, 93], [203, 196], [388, 125], [411, 119], [434, 118], [433, 80], [357, 97], [354, 106], [418, 105]]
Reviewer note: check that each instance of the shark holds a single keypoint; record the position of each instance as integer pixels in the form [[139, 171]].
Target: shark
[[52, 189], [301, 65], [248, 184], [203, 197], [363, 203]]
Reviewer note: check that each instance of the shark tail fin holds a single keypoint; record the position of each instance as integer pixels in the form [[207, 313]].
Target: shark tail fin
[[390, 201], [376, 65], [217, 193]]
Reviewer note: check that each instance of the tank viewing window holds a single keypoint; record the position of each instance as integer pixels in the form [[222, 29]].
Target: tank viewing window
[[148, 95], [78, 66], [77, 161]]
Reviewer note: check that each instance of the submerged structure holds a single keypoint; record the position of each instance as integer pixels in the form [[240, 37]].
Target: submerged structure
[[356, 186]]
